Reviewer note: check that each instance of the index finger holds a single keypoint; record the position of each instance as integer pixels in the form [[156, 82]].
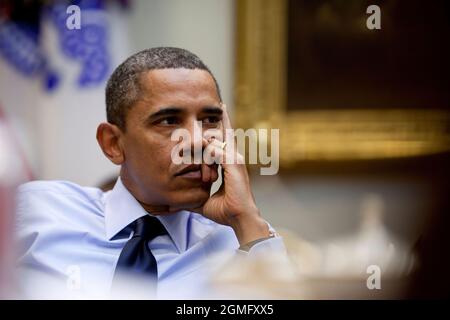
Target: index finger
[[227, 128], [225, 118]]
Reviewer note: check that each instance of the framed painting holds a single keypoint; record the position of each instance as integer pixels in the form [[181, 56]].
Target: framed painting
[[338, 90]]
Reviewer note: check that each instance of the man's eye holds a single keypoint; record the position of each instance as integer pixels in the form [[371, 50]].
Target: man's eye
[[169, 121], [211, 120]]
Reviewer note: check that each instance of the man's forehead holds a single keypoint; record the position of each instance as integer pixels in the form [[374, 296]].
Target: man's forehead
[[182, 88], [177, 79]]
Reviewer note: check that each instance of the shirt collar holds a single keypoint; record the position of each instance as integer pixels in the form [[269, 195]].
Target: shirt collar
[[121, 209]]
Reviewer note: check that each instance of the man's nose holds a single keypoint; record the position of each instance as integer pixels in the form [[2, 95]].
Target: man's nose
[[196, 132], [198, 142]]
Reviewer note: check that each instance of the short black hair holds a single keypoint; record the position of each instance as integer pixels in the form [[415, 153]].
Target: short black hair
[[123, 87]]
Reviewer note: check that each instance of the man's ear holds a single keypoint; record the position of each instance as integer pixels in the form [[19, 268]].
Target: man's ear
[[109, 138]]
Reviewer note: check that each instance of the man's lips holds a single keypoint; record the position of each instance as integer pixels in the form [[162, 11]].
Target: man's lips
[[192, 171]]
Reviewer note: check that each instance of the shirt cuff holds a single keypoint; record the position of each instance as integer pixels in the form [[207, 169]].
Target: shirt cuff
[[272, 244]]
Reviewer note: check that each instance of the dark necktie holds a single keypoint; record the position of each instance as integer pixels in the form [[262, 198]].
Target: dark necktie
[[136, 259]]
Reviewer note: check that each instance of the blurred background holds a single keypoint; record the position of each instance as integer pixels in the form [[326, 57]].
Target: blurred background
[[52, 98]]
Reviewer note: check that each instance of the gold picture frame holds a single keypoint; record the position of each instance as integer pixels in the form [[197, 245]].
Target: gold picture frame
[[322, 135]]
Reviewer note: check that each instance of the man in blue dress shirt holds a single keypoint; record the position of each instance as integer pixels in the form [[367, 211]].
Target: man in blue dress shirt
[[73, 239]]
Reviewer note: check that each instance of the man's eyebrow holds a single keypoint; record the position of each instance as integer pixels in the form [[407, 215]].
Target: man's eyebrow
[[171, 111], [168, 111], [212, 109]]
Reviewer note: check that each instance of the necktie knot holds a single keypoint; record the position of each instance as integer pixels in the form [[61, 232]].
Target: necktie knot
[[148, 228]]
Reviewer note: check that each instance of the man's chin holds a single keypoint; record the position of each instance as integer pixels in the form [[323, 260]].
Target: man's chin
[[191, 200]]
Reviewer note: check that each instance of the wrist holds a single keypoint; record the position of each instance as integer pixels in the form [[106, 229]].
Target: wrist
[[250, 228]]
